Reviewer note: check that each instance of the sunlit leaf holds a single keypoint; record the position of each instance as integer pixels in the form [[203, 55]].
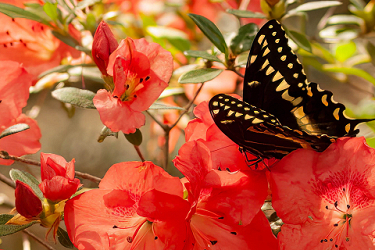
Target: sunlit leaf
[[345, 19], [202, 54], [78, 97], [161, 106], [344, 51], [16, 12], [14, 129], [244, 39], [199, 75], [51, 10], [211, 32], [300, 40], [175, 37], [349, 71], [246, 14], [86, 3], [28, 179], [11, 229], [315, 6]]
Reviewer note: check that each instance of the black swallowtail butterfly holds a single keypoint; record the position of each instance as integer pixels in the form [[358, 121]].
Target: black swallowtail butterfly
[[281, 111]]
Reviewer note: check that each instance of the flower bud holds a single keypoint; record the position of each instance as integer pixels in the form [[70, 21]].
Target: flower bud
[[27, 203], [103, 45], [58, 182]]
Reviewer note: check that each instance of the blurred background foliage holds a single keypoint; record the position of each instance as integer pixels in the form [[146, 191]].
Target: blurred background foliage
[[210, 42]]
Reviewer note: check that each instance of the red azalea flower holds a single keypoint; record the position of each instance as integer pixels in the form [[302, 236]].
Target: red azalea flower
[[225, 153], [103, 45], [222, 203], [58, 182], [326, 200], [137, 206], [141, 71], [22, 143], [27, 203]]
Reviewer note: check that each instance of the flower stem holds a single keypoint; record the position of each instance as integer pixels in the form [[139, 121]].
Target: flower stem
[[139, 153], [7, 181], [4, 155], [38, 239]]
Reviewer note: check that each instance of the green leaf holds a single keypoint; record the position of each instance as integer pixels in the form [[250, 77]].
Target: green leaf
[[345, 19], [14, 129], [242, 59], [210, 30], [244, 39], [28, 179], [63, 238], [199, 75], [315, 6], [11, 229], [105, 133], [349, 71], [16, 12], [86, 3], [161, 106], [171, 91], [78, 97], [66, 39], [371, 51], [134, 138], [51, 10], [359, 4], [38, 10], [202, 54], [174, 36], [345, 50], [246, 14], [300, 40], [337, 33], [371, 142]]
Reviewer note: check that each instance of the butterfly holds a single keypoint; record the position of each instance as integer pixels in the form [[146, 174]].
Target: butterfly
[[281, 110]]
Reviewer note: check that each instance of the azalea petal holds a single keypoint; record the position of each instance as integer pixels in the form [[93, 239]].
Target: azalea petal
[[160, 206], [52, 165], [161, 60], [140, 177], [14, 90], [151, 90], [25, 142], [194, 162], [117, 115], [59, 188], [237, 196], [89, 222], [195, 130]]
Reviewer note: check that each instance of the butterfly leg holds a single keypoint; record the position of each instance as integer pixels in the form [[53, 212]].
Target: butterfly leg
[[252, 162]]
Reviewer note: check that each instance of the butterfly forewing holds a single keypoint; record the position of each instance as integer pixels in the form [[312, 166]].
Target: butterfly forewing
[[258, 131], [276, 82]]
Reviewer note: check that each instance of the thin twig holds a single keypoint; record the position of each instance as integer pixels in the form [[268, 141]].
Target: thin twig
[[187, 108], [139, 153], [38, 239], [166, 149], [163, 126], [4, 155], [88, 177], [7, 181]]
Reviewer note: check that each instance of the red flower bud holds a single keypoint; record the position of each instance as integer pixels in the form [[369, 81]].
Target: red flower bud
[[103, 45], [58, 182], [27, 203]]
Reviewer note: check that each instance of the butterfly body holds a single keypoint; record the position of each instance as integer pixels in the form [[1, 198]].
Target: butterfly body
[[293, 112]]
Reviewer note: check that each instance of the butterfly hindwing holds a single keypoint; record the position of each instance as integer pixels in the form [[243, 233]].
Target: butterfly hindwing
[[258, 131], [276, 82]]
